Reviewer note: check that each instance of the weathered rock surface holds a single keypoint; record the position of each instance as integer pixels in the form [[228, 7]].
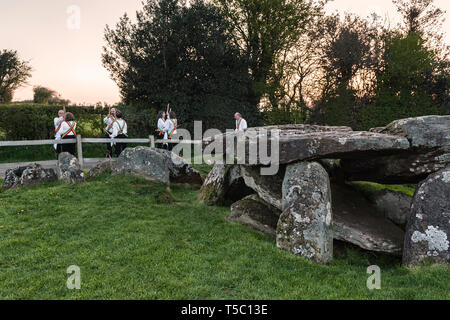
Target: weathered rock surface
[[101, 168], [179, 170], [27, 176], [428, 230], [357, 221], [305, 225], [268, 188], [68, 169], [307, 142], [429, 152], [395, 206], [422, 132], [255, 213], [143, 161], [224, 184], [214, 187]]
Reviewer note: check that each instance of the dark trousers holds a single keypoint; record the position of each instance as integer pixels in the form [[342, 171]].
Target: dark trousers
[[119, 147], [108, 145], [70, 148], [159, 136]]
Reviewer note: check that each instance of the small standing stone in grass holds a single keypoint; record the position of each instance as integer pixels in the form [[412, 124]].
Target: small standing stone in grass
[[428, 230], [27, 176], [305, 225], [144, 162], [69, 169], [101, 168]]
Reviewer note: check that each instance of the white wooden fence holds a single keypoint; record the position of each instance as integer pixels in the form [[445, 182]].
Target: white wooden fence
[[79, 141]]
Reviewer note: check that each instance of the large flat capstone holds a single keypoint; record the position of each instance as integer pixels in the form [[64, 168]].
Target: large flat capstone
[[308, 142]]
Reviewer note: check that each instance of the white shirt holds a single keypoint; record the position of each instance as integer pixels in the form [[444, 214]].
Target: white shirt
[[241, 125], [108, 121], [64, 128], [116, 128], [169, 126], [57, 122], [162, 127]]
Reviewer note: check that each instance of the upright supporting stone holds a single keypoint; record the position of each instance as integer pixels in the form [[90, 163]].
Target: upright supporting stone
[[428, 230], [305, 225], [80, 151]]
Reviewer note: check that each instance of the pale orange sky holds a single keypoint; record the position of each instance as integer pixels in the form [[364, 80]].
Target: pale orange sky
[[69, 60]]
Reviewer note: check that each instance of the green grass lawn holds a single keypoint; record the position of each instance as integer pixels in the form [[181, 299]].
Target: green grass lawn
[[133, 240]]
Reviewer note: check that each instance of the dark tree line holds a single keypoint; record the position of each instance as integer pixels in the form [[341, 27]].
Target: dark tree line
[[280, 61]]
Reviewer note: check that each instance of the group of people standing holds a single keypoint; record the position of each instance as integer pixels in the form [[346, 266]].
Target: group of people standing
[[116, 127], [166, 128], [66, 128]]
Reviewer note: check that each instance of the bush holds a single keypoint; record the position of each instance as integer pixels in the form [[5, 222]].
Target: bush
[[35, 122]]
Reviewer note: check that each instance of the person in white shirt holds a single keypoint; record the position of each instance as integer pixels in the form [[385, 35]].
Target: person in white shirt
[[67, 130], [108, 121], [57, 122], [119, 131], [160, 126], [241, 123], [170, 128]]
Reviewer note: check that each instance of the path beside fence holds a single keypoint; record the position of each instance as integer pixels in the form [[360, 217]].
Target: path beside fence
[[85, 163], [49, 164]]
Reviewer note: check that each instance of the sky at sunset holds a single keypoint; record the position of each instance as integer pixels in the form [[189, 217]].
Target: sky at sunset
[[65, 52]]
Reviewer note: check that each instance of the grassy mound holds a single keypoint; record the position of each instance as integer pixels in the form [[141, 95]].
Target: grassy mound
[[133, 239]]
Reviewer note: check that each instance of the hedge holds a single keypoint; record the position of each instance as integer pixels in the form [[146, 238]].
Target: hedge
[[35, 122]]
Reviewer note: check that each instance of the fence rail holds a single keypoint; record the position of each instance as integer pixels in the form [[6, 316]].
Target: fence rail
[[79, 141]]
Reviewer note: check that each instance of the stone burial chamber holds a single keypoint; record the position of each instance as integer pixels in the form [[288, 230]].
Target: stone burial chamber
[[309, 202]]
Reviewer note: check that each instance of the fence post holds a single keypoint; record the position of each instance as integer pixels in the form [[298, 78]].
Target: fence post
[[80, 151], [152, 141]]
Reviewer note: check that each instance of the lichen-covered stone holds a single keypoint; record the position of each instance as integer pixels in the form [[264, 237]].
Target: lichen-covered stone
[[255, 213], [213, 189], [309, 142], [305, 225], [428, 230], [429, 151], [27, 176], [224, 185], [143, 161], [68, 169]]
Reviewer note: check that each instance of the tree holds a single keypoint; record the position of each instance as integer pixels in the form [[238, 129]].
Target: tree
[[42, 95], [404, 88], [350, 53], [13, 74], [264, 30], [421, 17], [180, 55]]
